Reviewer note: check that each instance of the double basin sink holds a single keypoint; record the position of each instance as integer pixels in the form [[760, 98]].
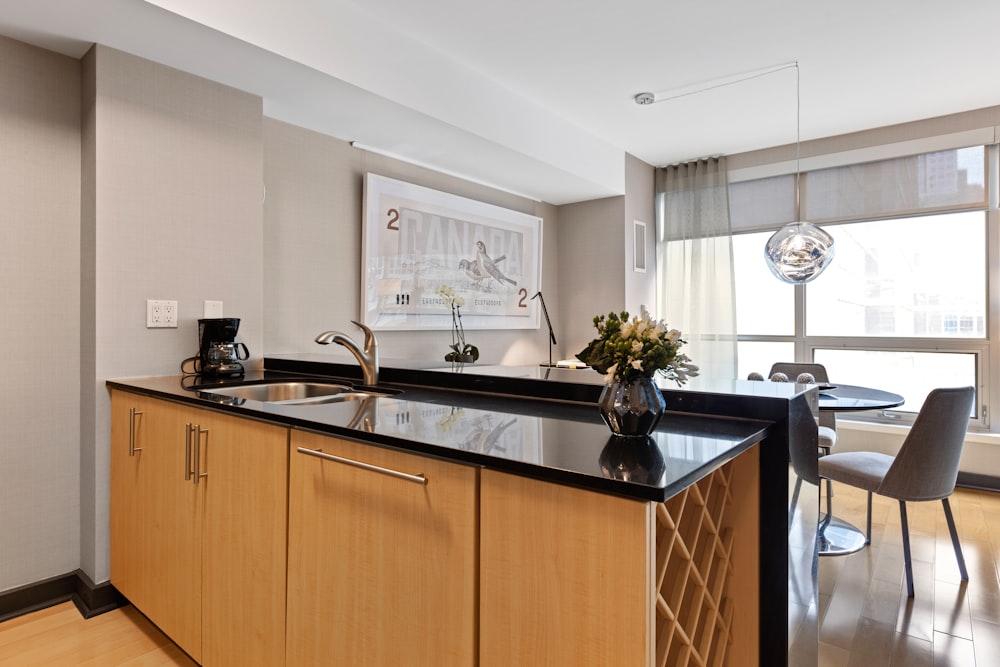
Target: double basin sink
[[289, 392]]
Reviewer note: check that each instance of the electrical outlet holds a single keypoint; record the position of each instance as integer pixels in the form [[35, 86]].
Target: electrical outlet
[[161, 314], [170, 314]]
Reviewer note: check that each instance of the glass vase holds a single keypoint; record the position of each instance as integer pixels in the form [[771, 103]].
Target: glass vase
[[632, 408]]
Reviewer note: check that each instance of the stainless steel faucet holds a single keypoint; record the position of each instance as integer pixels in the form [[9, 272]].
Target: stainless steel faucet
[[368, 357]]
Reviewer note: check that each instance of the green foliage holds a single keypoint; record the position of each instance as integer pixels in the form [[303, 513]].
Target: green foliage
[[459, 352], [626, 349]]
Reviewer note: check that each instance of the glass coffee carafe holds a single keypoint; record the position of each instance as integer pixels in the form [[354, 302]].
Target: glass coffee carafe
[[218, 352]]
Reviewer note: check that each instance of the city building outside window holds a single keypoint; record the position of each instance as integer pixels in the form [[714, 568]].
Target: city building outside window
[[904, 305]]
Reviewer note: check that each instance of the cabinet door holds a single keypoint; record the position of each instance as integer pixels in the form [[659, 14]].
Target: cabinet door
[[156, 519], [566, 576], [244, 539], [129, 435], [381, 570]]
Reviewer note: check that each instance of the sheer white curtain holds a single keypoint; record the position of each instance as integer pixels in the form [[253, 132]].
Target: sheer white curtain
[[695, 290]]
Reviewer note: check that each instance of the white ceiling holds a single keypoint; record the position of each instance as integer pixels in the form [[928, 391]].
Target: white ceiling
[[536, 96]]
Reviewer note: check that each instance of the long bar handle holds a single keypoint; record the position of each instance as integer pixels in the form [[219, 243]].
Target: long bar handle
[[196, 431], [187, 452], [132, 449], [418, 478]]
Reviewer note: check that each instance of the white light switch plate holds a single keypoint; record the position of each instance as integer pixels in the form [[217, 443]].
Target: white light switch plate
[[161, 314], [212, 309]]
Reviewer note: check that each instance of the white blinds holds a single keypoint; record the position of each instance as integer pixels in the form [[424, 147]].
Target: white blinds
[[943, 180], [764, 203]]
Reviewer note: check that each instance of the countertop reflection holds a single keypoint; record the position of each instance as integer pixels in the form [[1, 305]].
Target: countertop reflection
[[563, 442]]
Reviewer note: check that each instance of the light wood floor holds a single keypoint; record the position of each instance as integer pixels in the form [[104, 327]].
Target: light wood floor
[[60, 637], [864, 615], [865, 618]]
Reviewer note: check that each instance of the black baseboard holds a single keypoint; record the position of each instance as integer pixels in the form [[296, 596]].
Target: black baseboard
[[90, 599], [94, 599], [972, 480]]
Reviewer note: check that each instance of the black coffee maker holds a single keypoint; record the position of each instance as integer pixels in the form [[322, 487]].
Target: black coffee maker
[[219, 354]]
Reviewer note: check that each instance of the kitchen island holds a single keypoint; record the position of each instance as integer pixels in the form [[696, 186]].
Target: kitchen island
[[573, 547]]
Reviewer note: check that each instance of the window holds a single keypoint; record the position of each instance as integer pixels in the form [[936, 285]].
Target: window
[[767, 306], [911, 374], [903, 277], [903, 306]]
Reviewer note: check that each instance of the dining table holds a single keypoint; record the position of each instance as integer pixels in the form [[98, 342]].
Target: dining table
[[852, 398], [836, 536]]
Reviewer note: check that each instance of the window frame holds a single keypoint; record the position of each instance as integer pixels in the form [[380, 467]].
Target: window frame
[[982, 348]]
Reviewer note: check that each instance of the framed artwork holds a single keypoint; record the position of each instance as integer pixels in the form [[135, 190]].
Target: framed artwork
[[417, 241]]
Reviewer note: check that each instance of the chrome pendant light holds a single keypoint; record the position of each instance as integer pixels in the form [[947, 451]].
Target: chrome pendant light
[[799, 251]]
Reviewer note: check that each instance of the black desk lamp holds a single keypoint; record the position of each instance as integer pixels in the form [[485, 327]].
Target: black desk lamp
[[552, 335]]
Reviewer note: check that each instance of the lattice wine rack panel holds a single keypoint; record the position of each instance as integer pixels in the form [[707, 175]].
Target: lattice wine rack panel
[[693, 570]]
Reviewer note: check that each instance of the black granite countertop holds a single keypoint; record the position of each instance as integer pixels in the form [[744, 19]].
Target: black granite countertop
[[555, 434]]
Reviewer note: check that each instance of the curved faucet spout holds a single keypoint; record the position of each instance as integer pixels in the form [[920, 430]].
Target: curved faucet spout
[[367, 357]]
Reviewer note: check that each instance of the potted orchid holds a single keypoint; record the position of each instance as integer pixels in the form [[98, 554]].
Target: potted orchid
[[630, 351], [461, 351]]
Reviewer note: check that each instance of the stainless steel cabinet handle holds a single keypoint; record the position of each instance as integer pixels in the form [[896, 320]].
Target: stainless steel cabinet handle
[[196, 431], [187, 452], [132, 449], [418, 478]]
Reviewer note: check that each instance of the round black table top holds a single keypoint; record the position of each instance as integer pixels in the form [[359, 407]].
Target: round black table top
[[846, 398]]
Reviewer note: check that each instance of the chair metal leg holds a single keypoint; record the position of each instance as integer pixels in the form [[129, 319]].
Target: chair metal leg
[[868, 523], [826, 520], [829, 504], [954, 539], [825, 451], [906, 549], [795, 501]]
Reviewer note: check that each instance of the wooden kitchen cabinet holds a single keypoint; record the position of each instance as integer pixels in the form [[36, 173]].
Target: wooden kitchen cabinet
[[204, 561], [576, 577], [382, 570], [304, 549], [566, 575], [155, 517]]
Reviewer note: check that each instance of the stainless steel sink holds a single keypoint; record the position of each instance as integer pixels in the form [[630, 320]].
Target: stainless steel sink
[[294, 392]]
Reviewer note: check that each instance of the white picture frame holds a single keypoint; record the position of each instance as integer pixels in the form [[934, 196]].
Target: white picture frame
[[416, 239]]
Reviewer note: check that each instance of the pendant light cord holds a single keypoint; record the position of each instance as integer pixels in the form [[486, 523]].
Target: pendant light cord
[[798, 143]]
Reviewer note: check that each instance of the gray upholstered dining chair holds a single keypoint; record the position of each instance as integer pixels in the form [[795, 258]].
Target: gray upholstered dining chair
[[827, 419], [925, 468]]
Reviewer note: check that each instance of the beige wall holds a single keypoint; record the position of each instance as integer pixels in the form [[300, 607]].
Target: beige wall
[[914, 137], [592, 267], [173, 173], [120, 180], [640, 287], [168, 204], [597, 257], [40, 330], [313, 225]]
